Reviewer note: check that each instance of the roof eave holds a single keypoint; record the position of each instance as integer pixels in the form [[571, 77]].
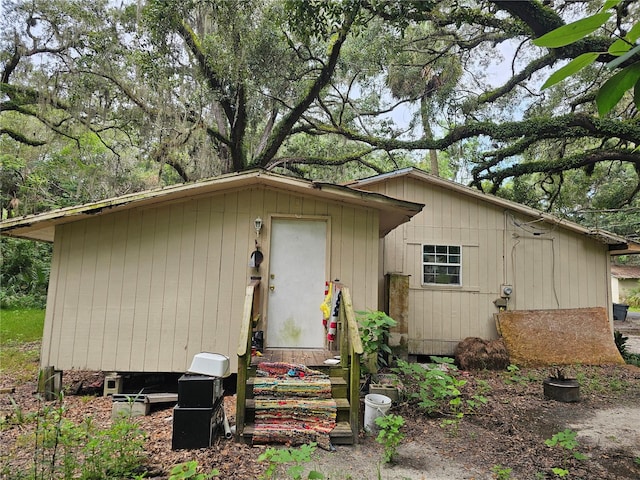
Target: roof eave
[[41, 227], [602, 236]]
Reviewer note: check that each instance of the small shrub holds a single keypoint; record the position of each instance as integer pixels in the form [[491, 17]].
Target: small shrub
[[632, 359], [438, 390], [633, 297], [282, 456], [115, 452], [621, 342], [433, 386], [566, 440], [501, 473], [374, 334], [390, 435], [64, 449]]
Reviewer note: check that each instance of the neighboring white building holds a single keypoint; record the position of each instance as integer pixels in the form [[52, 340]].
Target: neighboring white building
[[624, 278]]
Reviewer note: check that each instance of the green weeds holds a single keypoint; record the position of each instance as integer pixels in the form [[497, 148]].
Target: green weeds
[[390, 434], [279, 457], [67, 450], [514, 376], [566, 441], [438, 390], [501, 473]]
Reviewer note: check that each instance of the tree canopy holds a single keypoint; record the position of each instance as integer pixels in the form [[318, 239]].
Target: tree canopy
[[100, 99]]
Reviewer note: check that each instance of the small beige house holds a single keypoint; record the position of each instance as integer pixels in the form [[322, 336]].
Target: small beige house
[[468, 254], [143, 282], [624, 278]]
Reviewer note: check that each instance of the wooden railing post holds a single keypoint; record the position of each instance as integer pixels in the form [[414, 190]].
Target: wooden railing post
[[355, 353], [251, 306]]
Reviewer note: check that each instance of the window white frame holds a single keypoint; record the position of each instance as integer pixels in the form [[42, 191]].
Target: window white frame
[[441, 264]]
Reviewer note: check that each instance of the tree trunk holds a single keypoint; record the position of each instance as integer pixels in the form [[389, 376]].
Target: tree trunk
[[428, 133]]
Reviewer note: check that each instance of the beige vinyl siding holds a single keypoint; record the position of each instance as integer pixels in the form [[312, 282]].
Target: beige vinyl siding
[[558, 264], [146, 289]]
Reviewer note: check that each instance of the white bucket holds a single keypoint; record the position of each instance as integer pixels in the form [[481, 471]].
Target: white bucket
[[375, 406]]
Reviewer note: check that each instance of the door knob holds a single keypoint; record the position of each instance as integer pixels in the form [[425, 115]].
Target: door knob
[[272, 287]]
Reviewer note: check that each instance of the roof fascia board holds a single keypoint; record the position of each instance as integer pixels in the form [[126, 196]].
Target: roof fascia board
[[24, 226]]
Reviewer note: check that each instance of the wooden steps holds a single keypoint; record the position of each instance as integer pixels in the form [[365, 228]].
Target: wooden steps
[[342, 434]]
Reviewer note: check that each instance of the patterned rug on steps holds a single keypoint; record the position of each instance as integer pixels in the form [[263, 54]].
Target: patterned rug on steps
[[292, 408], [292, 387]]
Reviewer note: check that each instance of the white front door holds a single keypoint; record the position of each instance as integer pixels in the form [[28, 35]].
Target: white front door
[[297, 263]]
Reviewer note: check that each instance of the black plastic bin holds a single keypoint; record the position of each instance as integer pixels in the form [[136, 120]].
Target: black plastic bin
[[620, 311]]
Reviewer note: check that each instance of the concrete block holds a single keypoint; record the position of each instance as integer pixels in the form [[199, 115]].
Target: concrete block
[[112, 384], [129, 409]]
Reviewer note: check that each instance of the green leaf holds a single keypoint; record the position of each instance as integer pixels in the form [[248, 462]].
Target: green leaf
[[315, 475], [636, 94], [570, 68], [623, 45], [633, 34], [610, 4], [623, 58], [619, 47], [612, 91], [572, 32]]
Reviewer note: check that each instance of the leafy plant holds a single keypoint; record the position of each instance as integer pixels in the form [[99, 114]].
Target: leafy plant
[[633, 359], [189, 471], [374, 334], [114, 452], [560, 472], [282, 456], [433, 386], [624, 49], [590, 383], [566, 440], [438, 390], [501, 473], [632, 298], [24, 273], [513, 375], [621, 342], [390, 435], [64, 449]]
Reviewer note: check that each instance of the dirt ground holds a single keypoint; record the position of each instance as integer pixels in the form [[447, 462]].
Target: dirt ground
[[509, 432]]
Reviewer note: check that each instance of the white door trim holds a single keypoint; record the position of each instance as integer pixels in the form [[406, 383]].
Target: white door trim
[[290, 324]]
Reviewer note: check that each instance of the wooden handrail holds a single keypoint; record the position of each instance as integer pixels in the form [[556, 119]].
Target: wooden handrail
[[250, 314], [244, 343], [352, 323], [350, 353]]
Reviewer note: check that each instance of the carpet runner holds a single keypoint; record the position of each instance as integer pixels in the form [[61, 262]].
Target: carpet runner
[[293, 405]]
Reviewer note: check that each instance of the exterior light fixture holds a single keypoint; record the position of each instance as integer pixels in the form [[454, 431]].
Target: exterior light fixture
[[257, 223]]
